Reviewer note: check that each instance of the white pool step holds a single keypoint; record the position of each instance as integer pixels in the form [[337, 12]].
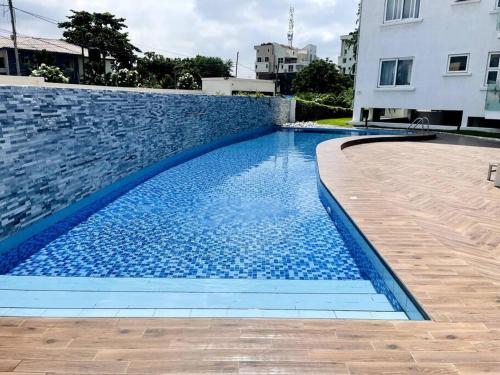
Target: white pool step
[[186, 285], [43, 296]]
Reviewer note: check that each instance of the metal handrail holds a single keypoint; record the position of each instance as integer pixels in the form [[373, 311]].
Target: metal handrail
[[421, 121]]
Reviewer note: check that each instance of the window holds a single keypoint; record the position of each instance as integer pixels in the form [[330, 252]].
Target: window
[[401, 9], [280, 60], [259, 59], [4, 68], [267, 59], [458, 63], [493, 68], [290, 68], [395, 72]]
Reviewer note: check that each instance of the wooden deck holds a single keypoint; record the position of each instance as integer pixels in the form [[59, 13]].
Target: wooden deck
[[428, 210]]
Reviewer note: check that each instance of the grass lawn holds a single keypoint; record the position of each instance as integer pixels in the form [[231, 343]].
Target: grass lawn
[[335, 121]]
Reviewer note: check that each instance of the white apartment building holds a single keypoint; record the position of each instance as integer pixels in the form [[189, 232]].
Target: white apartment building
[[280, 62], [275, 58], [346, 61], [433, 58]]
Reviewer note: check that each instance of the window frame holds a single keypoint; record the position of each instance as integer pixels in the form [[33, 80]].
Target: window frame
[[396, 66], [399, 17], [489, 69], [457, 72], [5, 55]]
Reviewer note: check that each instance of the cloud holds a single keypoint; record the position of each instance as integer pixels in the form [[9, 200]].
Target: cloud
[[208, 27]]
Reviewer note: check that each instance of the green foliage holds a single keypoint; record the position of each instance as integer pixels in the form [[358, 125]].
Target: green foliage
[[123, 78], [344, 99], [252, 94], [158, 71], [103, 32], [187, 82], [321, 76], [353, 41], [311, 111], [50, 73]]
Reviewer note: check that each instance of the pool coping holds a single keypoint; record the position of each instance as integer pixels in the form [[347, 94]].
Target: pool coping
[[402, 294]]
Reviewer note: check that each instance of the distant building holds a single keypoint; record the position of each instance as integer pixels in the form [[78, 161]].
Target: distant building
[[347, 61], [235, 86], [281, 63], [34, 51]]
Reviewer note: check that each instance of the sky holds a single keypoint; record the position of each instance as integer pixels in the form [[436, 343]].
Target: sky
[[180, 28]]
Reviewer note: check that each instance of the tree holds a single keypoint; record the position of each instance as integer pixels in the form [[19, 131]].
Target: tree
[[102, 32], [158, 71], [354, 38], [321, 76]]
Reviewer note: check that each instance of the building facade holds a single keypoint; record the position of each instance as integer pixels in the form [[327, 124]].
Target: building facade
[[281, 63], [34, 51], [438, 59], [346, 61]]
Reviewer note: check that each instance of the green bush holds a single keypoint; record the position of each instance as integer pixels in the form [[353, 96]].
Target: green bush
[[312, 111], [50, 73], [122, 78], [343, 99]]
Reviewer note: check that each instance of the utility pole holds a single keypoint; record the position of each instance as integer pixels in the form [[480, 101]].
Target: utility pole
[[237, 62], [14, 36]]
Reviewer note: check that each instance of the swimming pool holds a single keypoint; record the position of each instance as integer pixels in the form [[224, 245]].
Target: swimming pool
[[248, 211]]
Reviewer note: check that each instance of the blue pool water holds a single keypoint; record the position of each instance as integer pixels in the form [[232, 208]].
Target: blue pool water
[[248, 211]]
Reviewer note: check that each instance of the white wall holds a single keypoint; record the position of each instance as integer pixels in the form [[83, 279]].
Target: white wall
[[222, 86], [444, 28]]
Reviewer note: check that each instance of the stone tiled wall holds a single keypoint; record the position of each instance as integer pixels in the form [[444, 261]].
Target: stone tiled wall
[[58, 146]]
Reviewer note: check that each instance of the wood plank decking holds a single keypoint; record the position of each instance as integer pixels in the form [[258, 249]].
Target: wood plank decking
[[429, 211]]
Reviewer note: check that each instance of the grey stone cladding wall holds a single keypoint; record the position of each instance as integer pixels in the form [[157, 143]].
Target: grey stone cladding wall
[[58, 146]]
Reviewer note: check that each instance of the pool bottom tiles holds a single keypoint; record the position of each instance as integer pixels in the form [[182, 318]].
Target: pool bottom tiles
[[239, 231]]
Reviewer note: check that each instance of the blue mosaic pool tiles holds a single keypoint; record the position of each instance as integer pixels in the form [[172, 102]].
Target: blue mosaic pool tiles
[[58, 146], [253, 212]]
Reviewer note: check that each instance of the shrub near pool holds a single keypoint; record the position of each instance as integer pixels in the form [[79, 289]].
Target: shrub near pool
[[310, 111]]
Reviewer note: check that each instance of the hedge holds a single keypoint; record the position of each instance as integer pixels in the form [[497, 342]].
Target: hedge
[[311, 111]]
